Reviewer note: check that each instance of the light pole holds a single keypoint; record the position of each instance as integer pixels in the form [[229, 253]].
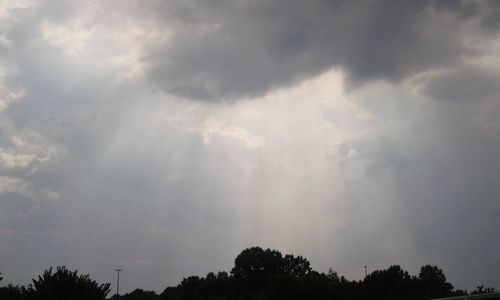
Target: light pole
[[118, 281], [366, 273]]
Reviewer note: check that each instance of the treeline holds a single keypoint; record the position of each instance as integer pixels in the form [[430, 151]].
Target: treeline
[[257, 274], [58, 285]]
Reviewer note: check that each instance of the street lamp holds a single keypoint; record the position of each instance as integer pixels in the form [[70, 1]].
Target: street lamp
[[118, 281]]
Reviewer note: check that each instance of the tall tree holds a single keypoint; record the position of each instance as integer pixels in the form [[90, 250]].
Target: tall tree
[[432, 282], [253, 266]]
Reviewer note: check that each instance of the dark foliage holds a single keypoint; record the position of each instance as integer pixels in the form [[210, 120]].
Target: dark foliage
[[257, 274], [482, 290], [137, 294], [267, 274], [432, 282], [13, 292], [67, 285]]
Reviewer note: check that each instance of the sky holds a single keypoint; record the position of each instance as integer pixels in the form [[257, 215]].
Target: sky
[[164, 137]]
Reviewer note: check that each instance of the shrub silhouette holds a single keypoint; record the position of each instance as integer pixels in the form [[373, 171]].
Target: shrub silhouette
[[13, 292], [67, 285], [137, 294]]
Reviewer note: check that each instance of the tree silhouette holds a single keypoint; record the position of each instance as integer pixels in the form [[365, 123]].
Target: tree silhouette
[[481, 290], [257, 274], [297, 267], [393, 283], [253, 266], [433, 282], [13, 292], [67, 285], [137, 294], [267, 274]]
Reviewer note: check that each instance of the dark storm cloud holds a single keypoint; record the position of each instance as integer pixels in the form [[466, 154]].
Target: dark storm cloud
[[228, 49], [465, 84]]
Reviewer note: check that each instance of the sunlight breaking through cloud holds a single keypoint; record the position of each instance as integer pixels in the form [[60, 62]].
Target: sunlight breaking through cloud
[[165, 136]]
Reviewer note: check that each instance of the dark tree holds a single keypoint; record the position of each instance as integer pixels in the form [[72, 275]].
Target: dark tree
[[67, 285], [253, 266], [432, 282], [297, 267], [137, 294], [393, 283], [267, 274]]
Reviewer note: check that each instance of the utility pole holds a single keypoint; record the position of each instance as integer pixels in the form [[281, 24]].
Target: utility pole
[[366, 273], [118, 281]]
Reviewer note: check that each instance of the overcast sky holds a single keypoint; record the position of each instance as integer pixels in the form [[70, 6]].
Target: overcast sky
[[163, 137]]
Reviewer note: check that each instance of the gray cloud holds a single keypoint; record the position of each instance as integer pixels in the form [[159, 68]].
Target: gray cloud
[[246, 48], [466, 84]]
